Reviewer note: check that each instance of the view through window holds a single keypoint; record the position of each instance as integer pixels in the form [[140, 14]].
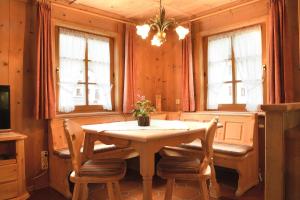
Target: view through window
[[235, 74], [84, 70]]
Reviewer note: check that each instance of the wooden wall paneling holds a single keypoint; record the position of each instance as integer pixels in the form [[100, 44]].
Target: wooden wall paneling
[[73, 16], [172, 66], [16, 50], [234, 16], [21, 79], [4, 44]]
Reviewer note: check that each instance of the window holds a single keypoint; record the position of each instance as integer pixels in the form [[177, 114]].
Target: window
[[84, 71], [235, 74]]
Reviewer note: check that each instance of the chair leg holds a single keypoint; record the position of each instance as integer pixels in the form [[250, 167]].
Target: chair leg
[[117, 190], [110, 191], [169, 189], [76, 191], [84, 192], [204, 190]]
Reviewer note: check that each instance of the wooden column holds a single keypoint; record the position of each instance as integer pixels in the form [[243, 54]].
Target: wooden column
[[279, 118]]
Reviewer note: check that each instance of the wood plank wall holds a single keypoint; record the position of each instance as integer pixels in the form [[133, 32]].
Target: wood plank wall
[[17, 69], [158, 70]]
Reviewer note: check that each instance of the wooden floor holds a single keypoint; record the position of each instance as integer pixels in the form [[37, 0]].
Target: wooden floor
[[131, 188]]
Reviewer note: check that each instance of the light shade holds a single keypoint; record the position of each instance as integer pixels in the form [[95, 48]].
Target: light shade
[[156, 41], [182, 32], [143, 30]]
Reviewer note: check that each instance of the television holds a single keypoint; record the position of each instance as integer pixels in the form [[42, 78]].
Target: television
[[4, 107]]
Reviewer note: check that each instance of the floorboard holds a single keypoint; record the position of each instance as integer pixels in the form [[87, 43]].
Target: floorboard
[[131, 188]]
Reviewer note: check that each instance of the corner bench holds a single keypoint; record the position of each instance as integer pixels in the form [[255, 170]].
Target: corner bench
[[235, 145]]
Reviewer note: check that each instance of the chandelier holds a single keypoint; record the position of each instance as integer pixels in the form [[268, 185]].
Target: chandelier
[[160, 24]]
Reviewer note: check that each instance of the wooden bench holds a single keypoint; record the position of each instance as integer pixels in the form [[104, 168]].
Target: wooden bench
[[235, 145], [59, 155]]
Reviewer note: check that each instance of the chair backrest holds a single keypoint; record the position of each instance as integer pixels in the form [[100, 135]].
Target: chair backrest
[[207, 144], [75, 137]]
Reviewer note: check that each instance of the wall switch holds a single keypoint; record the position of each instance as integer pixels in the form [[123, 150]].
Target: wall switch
[[177, 101], [44, 160]]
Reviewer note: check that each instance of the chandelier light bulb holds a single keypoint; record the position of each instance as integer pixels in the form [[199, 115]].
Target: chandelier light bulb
[[156, 41], [143, 30], [182, 32]]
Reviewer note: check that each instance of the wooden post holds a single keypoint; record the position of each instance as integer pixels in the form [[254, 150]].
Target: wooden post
[[279, 118]]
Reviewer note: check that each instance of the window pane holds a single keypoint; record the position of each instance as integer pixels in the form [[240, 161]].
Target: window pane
[[99, 72], [241, 93], [72, 70], [219, 94], [247, 46], [219, 71], [79, 95]]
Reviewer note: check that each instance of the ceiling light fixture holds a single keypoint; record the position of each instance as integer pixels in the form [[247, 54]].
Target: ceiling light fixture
[[160, 24]]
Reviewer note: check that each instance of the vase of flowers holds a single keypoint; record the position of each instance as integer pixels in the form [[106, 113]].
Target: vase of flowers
[[142, 110]]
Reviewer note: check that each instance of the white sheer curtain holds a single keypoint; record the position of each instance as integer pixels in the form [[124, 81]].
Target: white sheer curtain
[[72, 80], [99, 72], [247, 47], [72, 67], [219, 71]]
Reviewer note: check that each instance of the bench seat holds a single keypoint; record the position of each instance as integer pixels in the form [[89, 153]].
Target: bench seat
[[228, 149], [98, 148]]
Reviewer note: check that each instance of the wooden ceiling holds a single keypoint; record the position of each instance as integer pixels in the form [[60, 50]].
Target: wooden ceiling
[[143, 9]]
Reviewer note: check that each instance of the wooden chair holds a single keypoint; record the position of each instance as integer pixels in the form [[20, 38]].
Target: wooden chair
[[108, 171], [189, 168]]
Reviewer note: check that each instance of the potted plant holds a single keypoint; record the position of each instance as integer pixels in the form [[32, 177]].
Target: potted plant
[[142, 110]]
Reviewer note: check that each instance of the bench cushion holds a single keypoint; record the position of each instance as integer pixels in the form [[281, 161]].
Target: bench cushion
[[98, 148], [103, 167], [228, 149]]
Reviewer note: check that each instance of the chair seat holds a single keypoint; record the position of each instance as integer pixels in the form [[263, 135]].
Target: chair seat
[[180, 168], [103, 168], [98, 148], [229, 149]]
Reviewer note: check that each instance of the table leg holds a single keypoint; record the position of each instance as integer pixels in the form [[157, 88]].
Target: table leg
[[147, 171]]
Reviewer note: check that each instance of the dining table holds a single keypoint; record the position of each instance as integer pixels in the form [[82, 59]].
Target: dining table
[[147, 141]]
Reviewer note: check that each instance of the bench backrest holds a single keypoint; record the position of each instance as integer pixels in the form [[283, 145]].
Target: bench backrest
[[238, 127], [57, 135]]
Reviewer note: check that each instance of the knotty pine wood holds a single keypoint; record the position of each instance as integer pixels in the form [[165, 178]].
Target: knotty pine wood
[[158, 70], [17, 68], [4, 44]]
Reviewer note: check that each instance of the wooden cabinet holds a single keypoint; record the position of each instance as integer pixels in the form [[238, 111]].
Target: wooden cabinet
[[12, 166]]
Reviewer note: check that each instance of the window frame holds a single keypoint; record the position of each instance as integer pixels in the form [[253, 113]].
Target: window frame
[[86, 108], [234, 106]]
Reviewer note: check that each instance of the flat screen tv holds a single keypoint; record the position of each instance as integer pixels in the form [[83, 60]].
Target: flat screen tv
[[4, 107]]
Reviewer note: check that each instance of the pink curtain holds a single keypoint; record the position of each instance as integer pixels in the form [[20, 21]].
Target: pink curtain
[[128, 97], [188, 95], [280, 71], [45, 93]]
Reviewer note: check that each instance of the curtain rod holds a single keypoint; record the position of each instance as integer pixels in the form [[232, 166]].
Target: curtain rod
[[221, 10], [92, 13]]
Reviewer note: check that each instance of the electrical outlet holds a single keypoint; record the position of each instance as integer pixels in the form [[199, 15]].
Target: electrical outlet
[[44, 160], [177, 101]]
